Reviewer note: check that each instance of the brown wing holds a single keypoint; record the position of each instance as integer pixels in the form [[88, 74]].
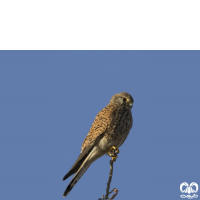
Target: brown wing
[[81, 159], [101, 123]]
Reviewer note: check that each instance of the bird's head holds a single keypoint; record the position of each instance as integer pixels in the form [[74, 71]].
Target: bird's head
[[122, 98]]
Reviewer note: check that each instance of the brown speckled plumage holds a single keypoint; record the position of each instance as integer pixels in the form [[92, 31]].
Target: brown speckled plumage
[[114, 122], [110, 128]]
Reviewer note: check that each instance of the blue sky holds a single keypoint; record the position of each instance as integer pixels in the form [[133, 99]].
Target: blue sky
[[49, 100]]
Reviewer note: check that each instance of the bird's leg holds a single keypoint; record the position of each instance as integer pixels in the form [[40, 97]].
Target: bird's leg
[[112, 152]]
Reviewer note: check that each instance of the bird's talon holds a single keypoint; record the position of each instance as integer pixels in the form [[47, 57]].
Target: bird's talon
[[113, 149], [117, 151], [112, 152], [114, 158]]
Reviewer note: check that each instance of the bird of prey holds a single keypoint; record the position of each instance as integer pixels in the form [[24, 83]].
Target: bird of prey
[[110, 128]]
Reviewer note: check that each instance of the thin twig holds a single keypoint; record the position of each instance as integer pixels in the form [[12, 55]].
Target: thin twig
[[115, 194], [109, 179], [113, 151]]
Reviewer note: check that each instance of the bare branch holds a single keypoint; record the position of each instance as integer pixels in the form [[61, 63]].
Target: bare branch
[[109, 179], [113, 151], [115, 194]]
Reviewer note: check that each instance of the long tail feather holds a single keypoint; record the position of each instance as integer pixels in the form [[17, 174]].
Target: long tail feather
[[78, 162], [85, 159], [75, 179], [85, 165]]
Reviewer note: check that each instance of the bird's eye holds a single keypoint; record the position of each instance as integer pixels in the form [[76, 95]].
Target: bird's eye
[[124, 100]]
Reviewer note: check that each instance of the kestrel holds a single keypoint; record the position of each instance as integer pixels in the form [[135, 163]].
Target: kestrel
[[110, 128]]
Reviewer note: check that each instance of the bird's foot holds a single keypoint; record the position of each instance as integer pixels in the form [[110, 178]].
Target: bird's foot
[[112, 152]]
